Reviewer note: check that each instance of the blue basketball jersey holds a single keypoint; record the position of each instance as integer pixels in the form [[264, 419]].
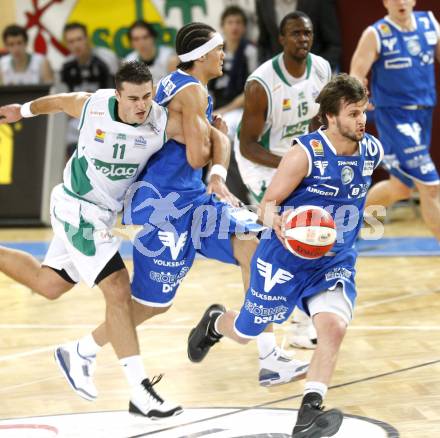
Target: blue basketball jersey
[[337, 183], [404, 72], [168, 171]]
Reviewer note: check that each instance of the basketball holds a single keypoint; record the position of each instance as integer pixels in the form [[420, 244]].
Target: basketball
[[309, 231]]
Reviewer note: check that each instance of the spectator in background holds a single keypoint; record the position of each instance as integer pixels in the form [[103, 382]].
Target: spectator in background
[[161, 60], [19, 67], [327, 39], [84, 71], [228, 90]]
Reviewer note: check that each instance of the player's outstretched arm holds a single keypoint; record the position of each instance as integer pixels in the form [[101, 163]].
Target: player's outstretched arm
[[70, 103], [294, 167], [252, 126], [364, 56]]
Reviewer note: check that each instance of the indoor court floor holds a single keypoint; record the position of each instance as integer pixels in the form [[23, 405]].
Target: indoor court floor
[[387, 379]]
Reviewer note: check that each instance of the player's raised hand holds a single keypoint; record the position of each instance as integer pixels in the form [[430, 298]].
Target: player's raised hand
[[10, 113], [217, 186]]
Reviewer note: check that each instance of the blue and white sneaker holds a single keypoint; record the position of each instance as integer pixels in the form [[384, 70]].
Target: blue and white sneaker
[[278, 368], [77, 369]]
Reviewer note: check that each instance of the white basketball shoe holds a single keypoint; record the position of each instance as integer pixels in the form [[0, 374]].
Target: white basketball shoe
[[278, 368], [302, 333], [77, 369], [146, 402]]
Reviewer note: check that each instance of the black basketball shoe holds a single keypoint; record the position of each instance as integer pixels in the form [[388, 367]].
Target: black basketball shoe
[[314, 422], [203, 336]]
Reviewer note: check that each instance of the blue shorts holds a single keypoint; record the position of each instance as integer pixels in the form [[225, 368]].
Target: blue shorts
[[406, 138], [280, 281], [163, 255]]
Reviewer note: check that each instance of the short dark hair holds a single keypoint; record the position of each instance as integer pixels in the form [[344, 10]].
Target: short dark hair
[[73, 26], [143, 25], [341, 89], [297, 15], [233, 10], [190, 37], [134, 72], [14, 30]]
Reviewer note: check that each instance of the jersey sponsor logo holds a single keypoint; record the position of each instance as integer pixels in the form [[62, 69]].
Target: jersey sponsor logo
[[389, 44], [413, 45], [281, 276], [425, 21], [99, 136], [264, 315], [122, 137], [287, 104], [347, 175], [323, 190], [398, 63], [299, 128], [358, 191], [317, 148], [169, 281], [169, 264], [414, 149], [431, 37], [140, 142], [168, 239], [347, 163], [268, 297], [412, 130], [385, 30], [115, 171], [368, 168], [339, 272], [321, 166], [94, 113]]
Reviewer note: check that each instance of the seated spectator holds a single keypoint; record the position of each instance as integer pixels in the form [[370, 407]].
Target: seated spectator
[[160, 59], [327, 38], [19, 67], [85, 71], [109, 57]]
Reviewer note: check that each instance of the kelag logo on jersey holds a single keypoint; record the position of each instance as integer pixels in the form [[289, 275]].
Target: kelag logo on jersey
[[114, 171]]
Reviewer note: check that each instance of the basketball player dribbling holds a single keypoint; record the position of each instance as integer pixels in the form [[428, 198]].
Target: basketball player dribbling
[[330, 168]]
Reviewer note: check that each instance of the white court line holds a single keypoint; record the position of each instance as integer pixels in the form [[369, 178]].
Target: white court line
[[88, 326], [394, 299], [417, 328]]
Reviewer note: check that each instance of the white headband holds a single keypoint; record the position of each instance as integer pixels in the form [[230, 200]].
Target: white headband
[[198, 52]]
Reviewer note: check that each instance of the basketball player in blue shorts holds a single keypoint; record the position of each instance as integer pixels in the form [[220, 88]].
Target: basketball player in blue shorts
[[179, 217], [400, 49], [330, 168]]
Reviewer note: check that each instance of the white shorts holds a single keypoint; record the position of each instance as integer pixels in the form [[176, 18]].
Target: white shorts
[[83, 242], [332, 301]]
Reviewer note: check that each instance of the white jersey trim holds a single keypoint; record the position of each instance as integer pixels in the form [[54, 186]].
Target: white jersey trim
[[268, 94], [378, 41], [307, 153], [435, 23], [166, 100]]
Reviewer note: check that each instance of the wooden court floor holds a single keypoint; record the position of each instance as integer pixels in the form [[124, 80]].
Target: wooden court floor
[[388, 369]]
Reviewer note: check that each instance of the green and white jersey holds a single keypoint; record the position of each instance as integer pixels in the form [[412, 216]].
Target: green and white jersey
[[111, 154], [291, 107]]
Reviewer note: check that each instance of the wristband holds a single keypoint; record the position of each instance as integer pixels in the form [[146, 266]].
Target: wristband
[[218, 169], [25, 110]]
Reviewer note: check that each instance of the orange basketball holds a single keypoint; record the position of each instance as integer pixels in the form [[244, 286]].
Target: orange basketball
[[309, 232]]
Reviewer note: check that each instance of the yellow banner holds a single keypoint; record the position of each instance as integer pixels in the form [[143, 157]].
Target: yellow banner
[[6, 154]]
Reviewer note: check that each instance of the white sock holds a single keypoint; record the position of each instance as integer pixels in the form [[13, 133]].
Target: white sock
[[266, 343], [133, 369], [87, 346], [320, 388]]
